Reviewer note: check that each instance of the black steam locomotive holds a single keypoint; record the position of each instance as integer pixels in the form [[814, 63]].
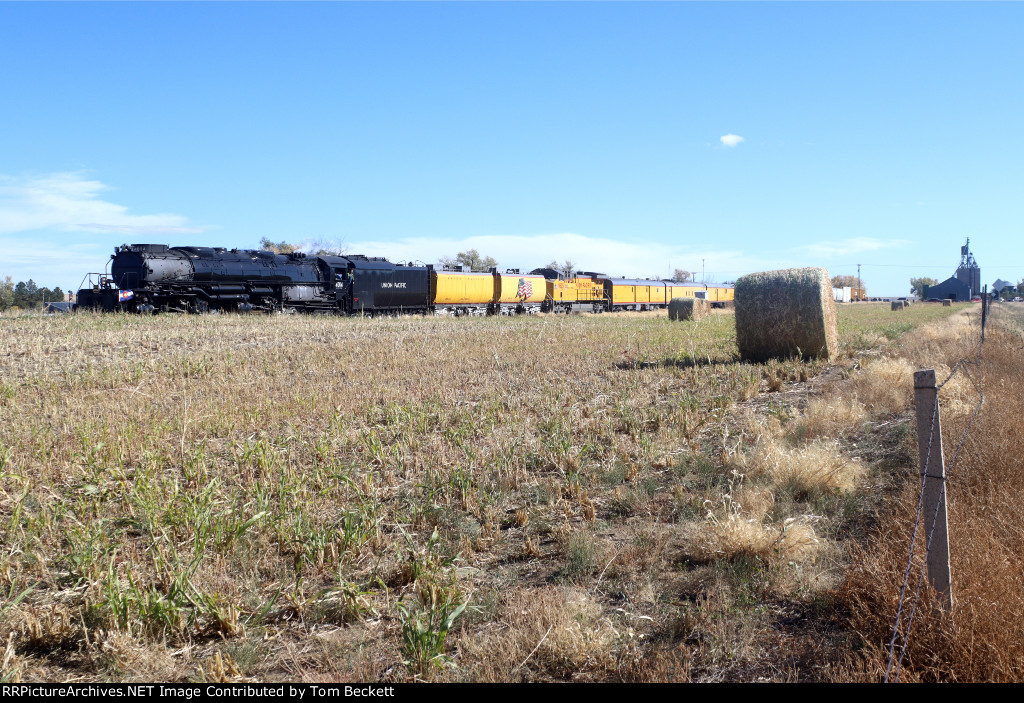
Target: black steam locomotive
[[152, 277]]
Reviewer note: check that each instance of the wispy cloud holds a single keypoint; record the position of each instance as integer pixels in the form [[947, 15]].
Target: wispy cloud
[[730, 140], [852, 245], [69, 202]]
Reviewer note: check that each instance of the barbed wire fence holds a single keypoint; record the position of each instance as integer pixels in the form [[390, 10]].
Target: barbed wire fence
[[930, 456]]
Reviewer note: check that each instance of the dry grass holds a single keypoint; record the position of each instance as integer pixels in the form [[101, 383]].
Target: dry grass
[[885, 386], [984, 639], [549, 633], [287, 497], [828, 417], [805, 471]]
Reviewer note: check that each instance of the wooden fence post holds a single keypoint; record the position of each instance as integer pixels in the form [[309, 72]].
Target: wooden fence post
[[930, 428]]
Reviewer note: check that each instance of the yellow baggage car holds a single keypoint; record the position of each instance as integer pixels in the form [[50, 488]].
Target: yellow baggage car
[[646, 294]]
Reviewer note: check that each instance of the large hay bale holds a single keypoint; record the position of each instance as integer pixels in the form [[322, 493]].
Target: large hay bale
[[947, 303], [688, 309], [898, 305], [780, 314]]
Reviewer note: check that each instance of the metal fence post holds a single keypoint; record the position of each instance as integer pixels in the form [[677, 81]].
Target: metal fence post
[[929, 434]]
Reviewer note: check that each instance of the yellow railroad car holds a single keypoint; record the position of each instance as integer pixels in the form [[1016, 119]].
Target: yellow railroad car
[[637, 294], [518, 293], [461, 292], [720, 296], [684, 290], [657, 292]]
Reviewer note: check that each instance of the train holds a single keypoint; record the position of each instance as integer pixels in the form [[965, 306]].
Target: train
[[150, 278]]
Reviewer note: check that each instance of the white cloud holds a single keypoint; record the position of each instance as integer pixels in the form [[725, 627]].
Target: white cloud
[[852, 245], [613, 257], [69, 202], [731, 140]]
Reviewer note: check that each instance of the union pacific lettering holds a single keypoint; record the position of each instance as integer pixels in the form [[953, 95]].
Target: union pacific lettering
[[389, 284]]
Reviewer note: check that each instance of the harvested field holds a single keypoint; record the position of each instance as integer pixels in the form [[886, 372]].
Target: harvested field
[[611, 497]]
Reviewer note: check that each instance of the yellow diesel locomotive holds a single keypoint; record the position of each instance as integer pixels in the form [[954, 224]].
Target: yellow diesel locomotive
[[586, 291]]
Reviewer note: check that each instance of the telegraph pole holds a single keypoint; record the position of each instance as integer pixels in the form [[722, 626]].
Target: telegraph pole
[[860, 297]]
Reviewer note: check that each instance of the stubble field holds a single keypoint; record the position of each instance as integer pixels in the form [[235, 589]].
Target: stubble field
[[583, 498]]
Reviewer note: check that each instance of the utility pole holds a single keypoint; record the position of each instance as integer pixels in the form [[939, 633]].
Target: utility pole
[[703, 278], [860, 298]]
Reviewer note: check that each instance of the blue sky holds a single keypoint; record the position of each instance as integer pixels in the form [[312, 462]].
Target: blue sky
[[607, 133]]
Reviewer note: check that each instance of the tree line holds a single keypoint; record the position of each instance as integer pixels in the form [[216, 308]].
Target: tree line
[[26, 295]]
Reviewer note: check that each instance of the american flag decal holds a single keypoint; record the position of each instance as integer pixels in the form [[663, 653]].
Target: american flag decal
[[525, 289]]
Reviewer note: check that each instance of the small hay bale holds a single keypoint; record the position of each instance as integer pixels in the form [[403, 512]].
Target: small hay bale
[[780, 314], [688, 309], [947, 303], [898, 305]]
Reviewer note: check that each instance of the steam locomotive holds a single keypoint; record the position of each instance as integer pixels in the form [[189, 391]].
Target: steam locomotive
[[146, 278]]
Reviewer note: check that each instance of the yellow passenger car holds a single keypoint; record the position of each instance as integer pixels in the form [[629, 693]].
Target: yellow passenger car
[[720, 296], [684, 290], [637, 293]]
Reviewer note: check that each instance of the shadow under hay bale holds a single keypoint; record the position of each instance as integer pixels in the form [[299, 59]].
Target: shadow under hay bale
[[781, 314], [898, 305], [688, 309]]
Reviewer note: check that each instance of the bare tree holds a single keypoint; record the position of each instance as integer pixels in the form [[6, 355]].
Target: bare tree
[[316, 247], [471, 258], [278, 247], [323, 247], [6, 293], [566, 268], [682, 275]]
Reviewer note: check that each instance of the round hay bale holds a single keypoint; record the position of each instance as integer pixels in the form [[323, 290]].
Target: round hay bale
[[780, 314], [898, 305], [947, 303], [688, 309]]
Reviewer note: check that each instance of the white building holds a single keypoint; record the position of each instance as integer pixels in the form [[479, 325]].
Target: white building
[[842, 295]]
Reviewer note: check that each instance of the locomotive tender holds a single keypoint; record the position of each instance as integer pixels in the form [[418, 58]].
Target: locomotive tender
[[156, 277]]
